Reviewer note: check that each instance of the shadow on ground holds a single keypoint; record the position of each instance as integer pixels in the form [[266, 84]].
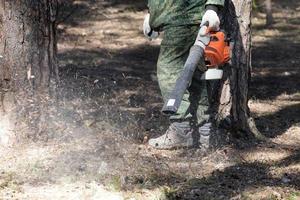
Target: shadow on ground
[[70, 10], [273, 125], [276, 72], [234, 181]]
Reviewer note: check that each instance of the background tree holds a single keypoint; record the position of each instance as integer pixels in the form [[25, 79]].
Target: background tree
[[234, 90], [28, 70], [269, 14]]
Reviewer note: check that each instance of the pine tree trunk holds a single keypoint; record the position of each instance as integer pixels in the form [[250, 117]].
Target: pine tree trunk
[[233, 106], [28, 71]]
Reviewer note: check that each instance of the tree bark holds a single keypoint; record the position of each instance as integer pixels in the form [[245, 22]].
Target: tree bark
[[29, 72], [233, 104]]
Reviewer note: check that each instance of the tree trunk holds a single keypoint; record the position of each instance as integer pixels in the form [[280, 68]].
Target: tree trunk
[[233, 105], [28, 71], [269, 14]]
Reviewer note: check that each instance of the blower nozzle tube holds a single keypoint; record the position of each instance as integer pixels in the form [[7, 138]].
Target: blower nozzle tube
[[183, 82]]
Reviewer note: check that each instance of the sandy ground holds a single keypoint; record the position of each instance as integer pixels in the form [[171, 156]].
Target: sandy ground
[[111, 107]]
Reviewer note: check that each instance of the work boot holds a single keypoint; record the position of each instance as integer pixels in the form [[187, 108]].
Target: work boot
[[178, 135], [205, 134]]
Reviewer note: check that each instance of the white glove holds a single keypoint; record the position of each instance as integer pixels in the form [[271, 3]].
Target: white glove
[[211, 18], [148, 31]]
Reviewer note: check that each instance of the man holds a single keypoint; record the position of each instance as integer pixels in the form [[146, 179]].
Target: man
[[180, 20]]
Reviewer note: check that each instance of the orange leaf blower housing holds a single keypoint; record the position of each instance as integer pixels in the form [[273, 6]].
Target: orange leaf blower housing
[[217, 53]]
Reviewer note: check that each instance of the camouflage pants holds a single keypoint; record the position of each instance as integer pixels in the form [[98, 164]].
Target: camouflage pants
[[173, 54]]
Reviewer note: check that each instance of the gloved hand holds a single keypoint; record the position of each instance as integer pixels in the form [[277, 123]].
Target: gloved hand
[[148, 31], [211, 18]]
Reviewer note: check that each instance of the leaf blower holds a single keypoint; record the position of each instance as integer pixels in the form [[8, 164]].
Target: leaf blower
[[211, 49]]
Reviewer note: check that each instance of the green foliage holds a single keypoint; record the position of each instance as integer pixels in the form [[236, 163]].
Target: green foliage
[[257, 5], [254, 4], [294, 196], [115, 183], [168, 193]]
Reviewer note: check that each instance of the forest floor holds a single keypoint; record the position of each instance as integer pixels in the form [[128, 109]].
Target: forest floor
[[111, 106]]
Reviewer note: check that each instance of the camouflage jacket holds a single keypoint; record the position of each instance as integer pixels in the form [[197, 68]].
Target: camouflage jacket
[[177, 12]]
